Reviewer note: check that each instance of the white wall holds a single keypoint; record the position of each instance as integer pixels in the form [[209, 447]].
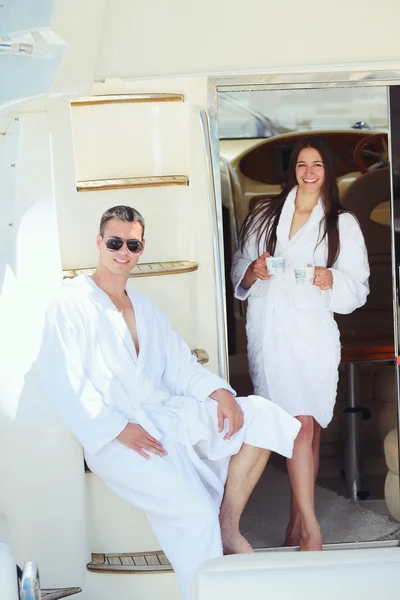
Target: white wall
[[9, 587], [122, 38], [79, 23], [41, 467], [65, 36], [158, 38], [23, 15], [28, 76], [130, 140]]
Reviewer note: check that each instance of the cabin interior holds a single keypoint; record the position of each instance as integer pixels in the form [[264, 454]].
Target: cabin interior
[[257, 130]]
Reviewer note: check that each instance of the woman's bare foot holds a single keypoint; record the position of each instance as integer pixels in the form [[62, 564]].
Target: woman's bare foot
[[311, 540], [293, 535], [291, 540], [235, 544]]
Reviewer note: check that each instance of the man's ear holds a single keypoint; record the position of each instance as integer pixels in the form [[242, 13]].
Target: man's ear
[[144, 244], [98, 241]]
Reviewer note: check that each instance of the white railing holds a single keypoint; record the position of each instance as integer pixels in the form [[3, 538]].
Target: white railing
[[15, 47], [216, 224], [30, 582]]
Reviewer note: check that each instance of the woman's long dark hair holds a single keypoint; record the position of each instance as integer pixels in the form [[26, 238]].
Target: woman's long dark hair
[[262, 220]]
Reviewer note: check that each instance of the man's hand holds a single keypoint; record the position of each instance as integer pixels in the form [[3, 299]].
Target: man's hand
[[229, 409], [137, 438]]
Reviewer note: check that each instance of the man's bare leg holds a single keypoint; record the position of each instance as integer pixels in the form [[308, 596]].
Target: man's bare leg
[[245, 470], [293, 531]]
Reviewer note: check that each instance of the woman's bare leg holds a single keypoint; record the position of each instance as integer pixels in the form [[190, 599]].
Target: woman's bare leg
[[302, 467], [293, 531], [316, 443]]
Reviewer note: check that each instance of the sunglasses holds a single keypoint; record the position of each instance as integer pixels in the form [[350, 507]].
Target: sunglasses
[[115, 243]]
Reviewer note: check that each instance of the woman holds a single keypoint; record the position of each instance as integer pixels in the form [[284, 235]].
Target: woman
[[293, 339]]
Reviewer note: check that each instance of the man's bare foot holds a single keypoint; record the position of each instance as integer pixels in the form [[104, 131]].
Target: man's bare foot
[[236, 544], [311, 541]]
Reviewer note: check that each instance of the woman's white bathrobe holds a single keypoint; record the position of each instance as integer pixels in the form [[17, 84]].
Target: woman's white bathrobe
[[293, 339], [98, 384]]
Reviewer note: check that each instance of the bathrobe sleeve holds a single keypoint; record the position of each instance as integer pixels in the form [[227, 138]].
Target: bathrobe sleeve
[[183, 375], [75, 399], [240, 262], [351, 270]]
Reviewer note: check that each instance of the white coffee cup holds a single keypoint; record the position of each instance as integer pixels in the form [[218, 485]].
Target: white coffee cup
[[304, 276], [275, 265]]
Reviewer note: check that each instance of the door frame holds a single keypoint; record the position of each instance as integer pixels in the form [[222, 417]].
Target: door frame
[[301, 80]]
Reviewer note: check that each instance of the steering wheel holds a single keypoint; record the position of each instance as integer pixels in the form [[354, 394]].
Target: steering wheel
[[378, 148]]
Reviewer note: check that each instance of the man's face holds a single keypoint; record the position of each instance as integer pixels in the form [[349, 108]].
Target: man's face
[[122, 261]]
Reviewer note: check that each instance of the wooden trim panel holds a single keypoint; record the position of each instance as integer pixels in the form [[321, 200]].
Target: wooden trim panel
[[135, 562], [99, 185], [127, 99], [57, 594], [145, 269], [367, 352]]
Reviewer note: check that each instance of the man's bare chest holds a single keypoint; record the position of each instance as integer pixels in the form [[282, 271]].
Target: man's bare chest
[[130, 320]]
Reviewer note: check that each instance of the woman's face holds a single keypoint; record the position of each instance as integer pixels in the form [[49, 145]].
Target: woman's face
[[310, 171]]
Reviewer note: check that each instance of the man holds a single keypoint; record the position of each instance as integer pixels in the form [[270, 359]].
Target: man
[[156, 427]]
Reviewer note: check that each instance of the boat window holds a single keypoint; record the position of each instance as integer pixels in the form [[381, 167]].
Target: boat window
[[256, 114]]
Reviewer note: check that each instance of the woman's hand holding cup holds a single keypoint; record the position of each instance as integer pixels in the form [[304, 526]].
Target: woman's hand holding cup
[[323, 278], [259, 267], [256, 270]]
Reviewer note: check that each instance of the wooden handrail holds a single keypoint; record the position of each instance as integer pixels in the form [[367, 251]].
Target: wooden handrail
[[144, 269], [127, 99], [98, 185]]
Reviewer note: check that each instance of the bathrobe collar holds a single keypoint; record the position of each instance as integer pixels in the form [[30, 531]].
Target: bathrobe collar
[[108, 308], [285, 221]]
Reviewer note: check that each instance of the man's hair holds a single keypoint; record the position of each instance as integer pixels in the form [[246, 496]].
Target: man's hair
[[123, 213]]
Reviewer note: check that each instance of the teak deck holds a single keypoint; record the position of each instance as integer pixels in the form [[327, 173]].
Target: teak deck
[[136, 562]]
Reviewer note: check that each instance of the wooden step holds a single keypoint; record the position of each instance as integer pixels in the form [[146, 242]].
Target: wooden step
[[57, 594], [127, 99], [145, 269], [135, 562], [124, 183]]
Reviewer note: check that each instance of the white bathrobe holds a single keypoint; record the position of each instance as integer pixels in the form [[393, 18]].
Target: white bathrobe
[[293, 339], [98, 384]]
